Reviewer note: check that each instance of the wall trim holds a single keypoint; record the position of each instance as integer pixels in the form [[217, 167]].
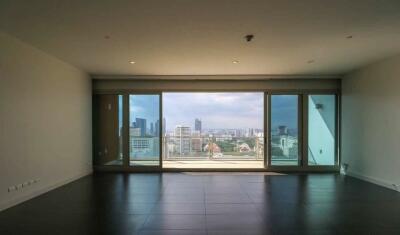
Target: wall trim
[[373, 180], [15, 201], [215, 77], [276, 85]]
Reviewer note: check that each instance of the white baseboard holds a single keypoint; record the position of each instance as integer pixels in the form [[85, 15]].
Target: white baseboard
[[18, 200], [373, 180]]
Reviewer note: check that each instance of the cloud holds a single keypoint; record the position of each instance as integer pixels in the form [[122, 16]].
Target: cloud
[[217, 110]]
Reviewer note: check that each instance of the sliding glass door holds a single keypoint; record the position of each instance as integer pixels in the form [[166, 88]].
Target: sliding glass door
[[216, 130], [321, 130], [144, 130], [284, 130], [213, 130], [303, 131]]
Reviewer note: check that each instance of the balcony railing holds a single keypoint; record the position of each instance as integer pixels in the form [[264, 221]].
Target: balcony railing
[[175, 148], [212, 148]]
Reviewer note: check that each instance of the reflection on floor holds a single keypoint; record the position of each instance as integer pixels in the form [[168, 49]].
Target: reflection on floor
[[144, 163], [208, 204], [203, 164], [193, 164], [213, 164]]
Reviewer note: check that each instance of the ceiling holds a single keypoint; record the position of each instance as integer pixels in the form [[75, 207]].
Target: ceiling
[[204, 37]]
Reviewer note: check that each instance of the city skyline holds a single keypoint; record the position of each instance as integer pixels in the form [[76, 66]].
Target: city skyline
[[232, 110], [144, 107]]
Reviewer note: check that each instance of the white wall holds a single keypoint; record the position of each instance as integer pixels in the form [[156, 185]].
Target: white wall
[[371, 122], [45, 121]]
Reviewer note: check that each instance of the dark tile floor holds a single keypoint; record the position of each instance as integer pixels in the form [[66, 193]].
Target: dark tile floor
[[199, 203]]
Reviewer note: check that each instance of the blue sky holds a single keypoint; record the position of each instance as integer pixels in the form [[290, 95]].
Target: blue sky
[[144, 106], [284, 111], [216, 110]]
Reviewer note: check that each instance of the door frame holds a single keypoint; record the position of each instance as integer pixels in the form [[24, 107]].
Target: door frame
[[126, 139], [302, 120], [300, 159]]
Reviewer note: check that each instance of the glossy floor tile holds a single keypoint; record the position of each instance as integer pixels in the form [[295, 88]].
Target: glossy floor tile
[[208, 203]]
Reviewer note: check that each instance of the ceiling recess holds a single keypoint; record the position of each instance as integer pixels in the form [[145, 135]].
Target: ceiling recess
[[249, 37]]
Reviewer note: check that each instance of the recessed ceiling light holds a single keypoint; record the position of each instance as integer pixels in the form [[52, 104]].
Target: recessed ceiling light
[[235, 62], [311, 61], [132, 62], [249, 37], [349, 37]]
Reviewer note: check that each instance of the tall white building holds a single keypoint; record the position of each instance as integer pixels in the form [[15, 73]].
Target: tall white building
[[182, 139]]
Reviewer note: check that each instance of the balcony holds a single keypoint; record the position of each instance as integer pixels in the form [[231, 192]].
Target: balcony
[[212, 152]]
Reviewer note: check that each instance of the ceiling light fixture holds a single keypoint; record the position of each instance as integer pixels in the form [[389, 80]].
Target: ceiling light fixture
[[235, 62], [249, 37], [132, 62]]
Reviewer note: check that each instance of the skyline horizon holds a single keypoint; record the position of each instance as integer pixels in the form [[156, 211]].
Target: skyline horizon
[[216, 128], [218, 110]]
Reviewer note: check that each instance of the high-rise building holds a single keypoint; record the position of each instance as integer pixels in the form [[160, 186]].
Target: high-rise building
[[151, 128], [196, 144], [141, 123], [182, 139], [197, 125], [157, 128], [196, 141], [143, 148], [250, 132], [164, 126], [134, 131]]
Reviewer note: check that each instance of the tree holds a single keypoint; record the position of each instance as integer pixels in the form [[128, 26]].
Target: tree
[[226, 146]]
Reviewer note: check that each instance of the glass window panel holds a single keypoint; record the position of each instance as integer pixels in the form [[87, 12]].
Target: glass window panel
[[144, 130], [213, 130], [284, 130], [321, 129], [120, 128]]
